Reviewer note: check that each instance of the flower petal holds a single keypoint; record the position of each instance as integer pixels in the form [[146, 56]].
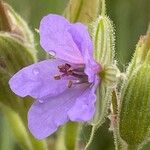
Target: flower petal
[[84, 107], [83, 40], [54, 37], [45, 118], [37, 80]]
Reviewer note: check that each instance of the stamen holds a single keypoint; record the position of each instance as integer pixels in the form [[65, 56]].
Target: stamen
[[78, 75], [79, 81], [57, 77], [70, 83], [67, 70], [67, 66], [64, 68], [78, 69]]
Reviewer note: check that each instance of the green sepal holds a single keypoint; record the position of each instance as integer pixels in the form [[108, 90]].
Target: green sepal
[[103, 102], [102, 34], [109, 75]]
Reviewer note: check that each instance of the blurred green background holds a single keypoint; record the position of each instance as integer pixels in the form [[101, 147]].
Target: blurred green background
[[131, 19]]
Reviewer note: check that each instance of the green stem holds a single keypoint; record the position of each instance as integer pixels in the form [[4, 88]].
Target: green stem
[[19, 130], [118, 143], [94, 128], [60, 141], [71, 141], [132, 147], [6, 142], [103, 7], [38, 145]]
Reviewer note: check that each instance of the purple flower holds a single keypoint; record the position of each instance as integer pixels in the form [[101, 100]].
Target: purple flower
[[64, 87]]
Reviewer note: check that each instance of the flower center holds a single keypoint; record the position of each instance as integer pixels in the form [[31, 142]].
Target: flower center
[[77, 74]]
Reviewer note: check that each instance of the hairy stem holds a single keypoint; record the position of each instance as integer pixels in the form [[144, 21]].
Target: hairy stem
[[114, 121], [94, 128]]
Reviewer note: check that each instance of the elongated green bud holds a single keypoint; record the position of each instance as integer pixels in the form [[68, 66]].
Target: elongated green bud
[[13, 24], [13, 56], [102, 34], [103, 39], [16, 51], [84, 11], [134, 125], [5, 24], [142, 53], [134, 109]]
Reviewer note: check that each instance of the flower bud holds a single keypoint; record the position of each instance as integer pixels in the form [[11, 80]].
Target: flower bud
[[16, 51], [103, 40], [13, 24], [13, 56], [134, 123], [83, 11], [142, 53], [135, 98]]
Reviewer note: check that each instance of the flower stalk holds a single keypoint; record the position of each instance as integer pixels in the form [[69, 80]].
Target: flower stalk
[[17, 127], [71, 141], [132, 147], [20, 132], [114, 122], [103, 8]]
